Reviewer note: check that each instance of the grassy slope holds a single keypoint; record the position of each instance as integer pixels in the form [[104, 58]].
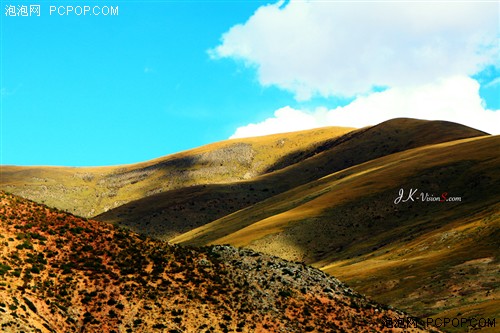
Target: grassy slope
[[60, 273], [426, 257], [91, 191], [171, 213]]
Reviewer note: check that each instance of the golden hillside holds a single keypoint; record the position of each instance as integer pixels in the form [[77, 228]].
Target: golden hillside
[[90, 191], [172, 213]]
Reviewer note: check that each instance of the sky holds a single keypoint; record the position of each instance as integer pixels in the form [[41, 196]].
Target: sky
[[91, 83]]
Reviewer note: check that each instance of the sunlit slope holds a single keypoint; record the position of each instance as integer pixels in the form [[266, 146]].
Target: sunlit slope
[[91, 191], [61, 273], [412, 254], [168, 214]]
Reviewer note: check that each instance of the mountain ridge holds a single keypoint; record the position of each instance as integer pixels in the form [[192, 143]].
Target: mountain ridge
[[104, 188]]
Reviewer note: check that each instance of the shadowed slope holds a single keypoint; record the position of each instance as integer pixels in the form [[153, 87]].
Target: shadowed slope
[[168, 214]]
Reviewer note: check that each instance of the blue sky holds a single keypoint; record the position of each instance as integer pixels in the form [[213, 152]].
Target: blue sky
[[166, 76]]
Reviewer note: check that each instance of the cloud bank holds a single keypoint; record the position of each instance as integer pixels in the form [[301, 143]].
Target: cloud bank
[[346, 48], [453, 99], [421, 53]]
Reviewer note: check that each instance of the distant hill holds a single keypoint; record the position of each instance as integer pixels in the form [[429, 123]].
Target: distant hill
[[88, 192], [60, 273], [171, 213]]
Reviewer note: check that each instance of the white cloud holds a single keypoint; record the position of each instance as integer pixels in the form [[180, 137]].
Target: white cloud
[[285, 119], [346, 48], [5, 92], [454, 99]]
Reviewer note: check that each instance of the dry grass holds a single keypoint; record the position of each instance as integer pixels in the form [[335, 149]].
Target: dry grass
[[90, 191], [172, 213], [407, 255]]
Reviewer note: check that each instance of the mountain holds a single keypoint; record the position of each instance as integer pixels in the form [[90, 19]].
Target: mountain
[[62, 273], [357, 204]]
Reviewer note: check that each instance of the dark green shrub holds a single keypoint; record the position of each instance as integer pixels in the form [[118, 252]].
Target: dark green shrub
[[4, 269], [30, 305], [285, 293]]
